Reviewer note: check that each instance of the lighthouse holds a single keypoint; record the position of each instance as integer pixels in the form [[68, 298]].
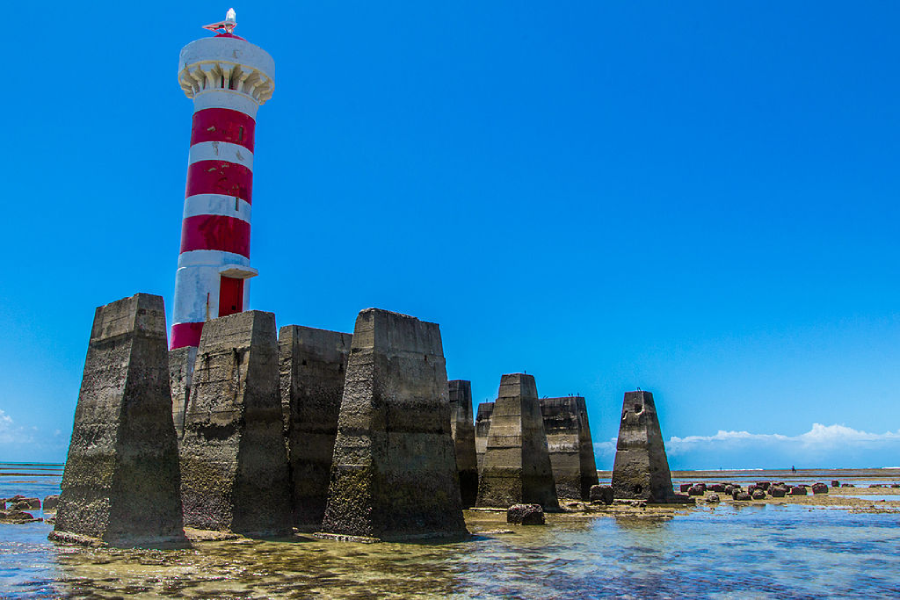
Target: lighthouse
[[228, 78]]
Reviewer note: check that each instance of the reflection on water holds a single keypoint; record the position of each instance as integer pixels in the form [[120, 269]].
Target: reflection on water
[[757, 551]]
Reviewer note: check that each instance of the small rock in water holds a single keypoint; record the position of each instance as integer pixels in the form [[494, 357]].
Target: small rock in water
[[525, 514], [764, 485], [684, 487], [847, 485], [602, 493], [729, 489], [696, 490], [778, 491], [819, 488], [835, 483], [718, 487], [758, 494], [798, 490], [17, 517], [712, 498], [741, 496]]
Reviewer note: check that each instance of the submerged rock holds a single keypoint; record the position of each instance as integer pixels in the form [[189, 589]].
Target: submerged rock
[[525, 514], [712, 498], [602, 493], [17, 517]]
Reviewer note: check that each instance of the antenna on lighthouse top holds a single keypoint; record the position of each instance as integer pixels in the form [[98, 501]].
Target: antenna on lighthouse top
[[228, 24]]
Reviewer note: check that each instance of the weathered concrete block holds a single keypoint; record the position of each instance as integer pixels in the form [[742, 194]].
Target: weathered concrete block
[[462, 426], [313, 363], [525, 514], [234, 472], [601, 493], [482, 427], [121, 481], [393, 475], [641, 469], [181, 370], [516, 467], [570, 446]]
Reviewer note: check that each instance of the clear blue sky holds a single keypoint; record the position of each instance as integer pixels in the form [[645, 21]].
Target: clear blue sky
[[698, 199]]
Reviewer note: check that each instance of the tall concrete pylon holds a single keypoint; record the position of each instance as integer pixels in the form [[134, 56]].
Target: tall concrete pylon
[[641, 469], [234, 471], [121, 482], [393, 475], [462, 427], [516, 466], [571, 448], [313, 363], [482, 429]]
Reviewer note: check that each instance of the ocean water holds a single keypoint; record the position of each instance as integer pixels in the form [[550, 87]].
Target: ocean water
[[758, 551]]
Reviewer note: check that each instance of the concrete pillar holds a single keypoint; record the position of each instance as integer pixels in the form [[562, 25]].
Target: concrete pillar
[[462, 427], [313, 363], [121, 482], [181, 370], [516, 466], [570, 446], [393, 475], [641, 470], [482, 427], [233, 459]]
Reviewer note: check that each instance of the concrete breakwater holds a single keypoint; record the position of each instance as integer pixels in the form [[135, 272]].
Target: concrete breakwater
[[261, 432]]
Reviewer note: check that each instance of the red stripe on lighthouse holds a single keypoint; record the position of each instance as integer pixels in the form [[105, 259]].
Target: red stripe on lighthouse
[[223, 125], [215, 232], [186, 334], [219, 177]]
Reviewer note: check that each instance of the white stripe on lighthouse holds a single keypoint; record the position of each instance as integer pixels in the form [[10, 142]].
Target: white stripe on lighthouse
[[216, 204], [209, 258], [219, 98], [227, 151]]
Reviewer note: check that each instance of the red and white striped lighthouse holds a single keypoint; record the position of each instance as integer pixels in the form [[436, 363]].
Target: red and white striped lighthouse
[[229, 79]]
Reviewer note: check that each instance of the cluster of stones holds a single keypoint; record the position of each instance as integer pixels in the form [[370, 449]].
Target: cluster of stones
[[18, 509], [760, 490]]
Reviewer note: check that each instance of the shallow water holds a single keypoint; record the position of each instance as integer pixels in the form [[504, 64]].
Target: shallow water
[[771, 551]]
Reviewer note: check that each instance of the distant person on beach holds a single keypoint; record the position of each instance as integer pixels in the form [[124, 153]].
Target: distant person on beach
[[793, 469]]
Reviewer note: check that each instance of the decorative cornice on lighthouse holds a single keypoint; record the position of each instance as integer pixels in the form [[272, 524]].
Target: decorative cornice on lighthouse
[[227, 64]]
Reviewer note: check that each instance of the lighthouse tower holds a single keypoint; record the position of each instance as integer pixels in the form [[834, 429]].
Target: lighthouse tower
[[228, 79]]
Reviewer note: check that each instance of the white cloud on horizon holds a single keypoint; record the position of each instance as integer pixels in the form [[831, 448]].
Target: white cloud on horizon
[[821, 443], [9, 433]]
